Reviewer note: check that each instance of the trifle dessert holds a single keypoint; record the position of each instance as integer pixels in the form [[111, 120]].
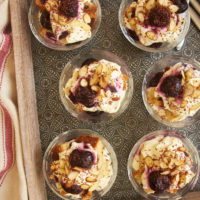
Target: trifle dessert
[[155, 23], [80, 167], [66, 21], [163, 165], [97, 86], [174, 93]]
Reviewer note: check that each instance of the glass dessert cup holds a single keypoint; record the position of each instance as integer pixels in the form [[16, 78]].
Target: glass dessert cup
[[34, 22], [65, 137], [159, 66], [75, 63], [165, 46], [165, 195]]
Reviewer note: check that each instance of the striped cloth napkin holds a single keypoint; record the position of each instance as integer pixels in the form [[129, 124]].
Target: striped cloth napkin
[[12, 177]]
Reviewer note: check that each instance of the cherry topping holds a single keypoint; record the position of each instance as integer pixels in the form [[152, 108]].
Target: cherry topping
[[155, 79], [89, 61], [63, 35], [133, 35], [172, 87], [159, 16], [45, 20], [85, 96], [182, 5], [74, 189], [83, 159], [156, 45], [69, 8], [158, 182]]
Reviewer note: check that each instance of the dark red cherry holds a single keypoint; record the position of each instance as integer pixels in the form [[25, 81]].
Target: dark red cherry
[[45, 20], [159, 16], [171, 86], [182, 5], [155, 79], [158, 182], [69, 8], [83, 159]]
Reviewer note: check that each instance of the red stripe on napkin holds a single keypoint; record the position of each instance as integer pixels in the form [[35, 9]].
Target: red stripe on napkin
[[8, 151], [7, 128], [4, 52]]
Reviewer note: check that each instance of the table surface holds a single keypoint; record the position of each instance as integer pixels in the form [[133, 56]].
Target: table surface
[[135, 122]]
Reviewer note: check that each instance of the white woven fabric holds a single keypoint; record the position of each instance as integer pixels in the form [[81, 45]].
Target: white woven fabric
[[12, 177]]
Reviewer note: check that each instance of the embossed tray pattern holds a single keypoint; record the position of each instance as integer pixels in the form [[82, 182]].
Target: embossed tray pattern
[[135, 122]]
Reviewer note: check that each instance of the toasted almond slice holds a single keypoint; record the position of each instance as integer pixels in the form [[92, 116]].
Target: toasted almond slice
[[84, 83], [91, 179], [132, 22], [165, 172], [105, 68], [72, 175], [95, 88], [156, 163], [103, 82], [163, 2], [172, 25], [179, 162], [67, 91], [86, 18], [86, 27], [148, 161], [64, 146], [99, 69], [83, 71], [188, 90], [48, 7], [163, 165], [94, 186], [55, 16], [149, 191], [66, 170], [69, 183], [78, 169], [150, 4], [174, 172], [140, 17], [85, 187], [151, 35], [173, 8], [62, 164], [94, 79]]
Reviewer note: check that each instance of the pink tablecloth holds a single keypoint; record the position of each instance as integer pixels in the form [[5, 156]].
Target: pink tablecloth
[[12, 176]]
